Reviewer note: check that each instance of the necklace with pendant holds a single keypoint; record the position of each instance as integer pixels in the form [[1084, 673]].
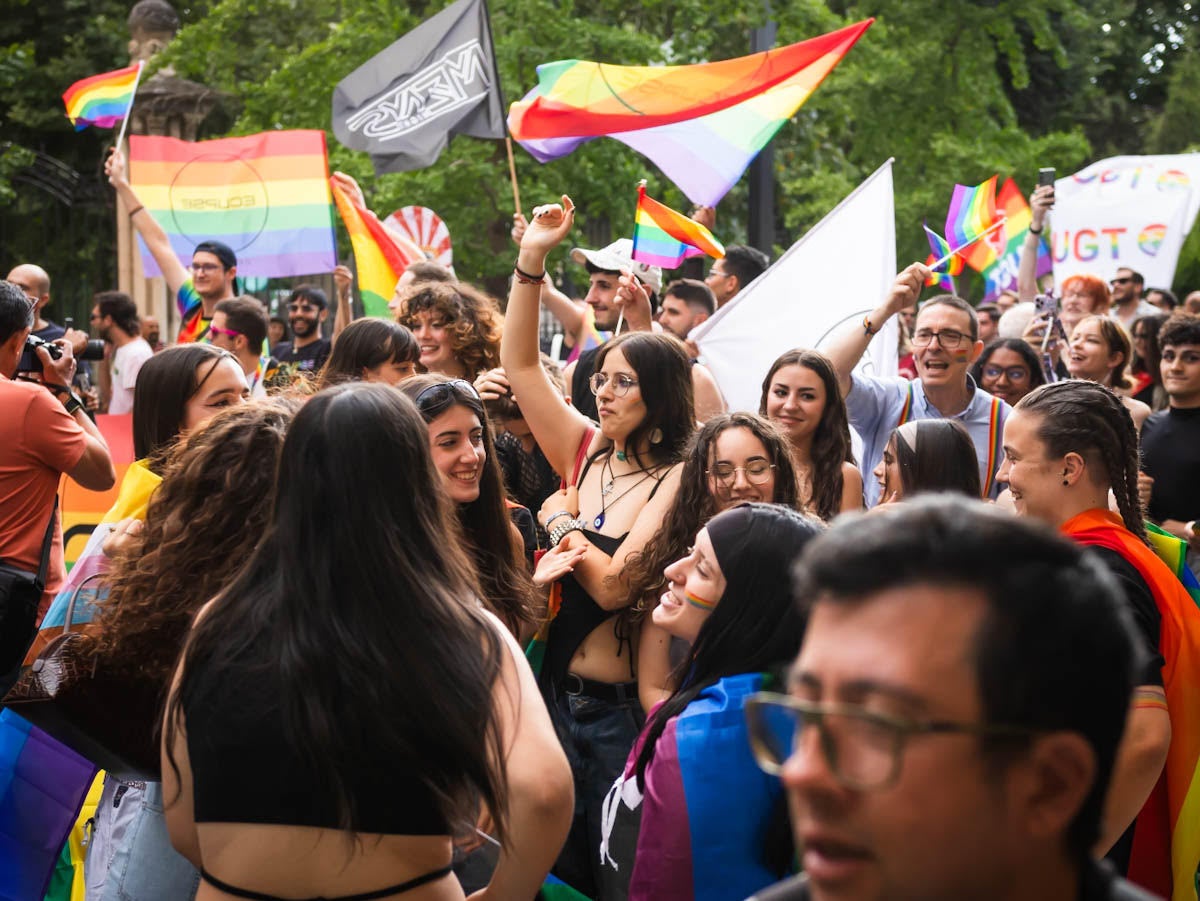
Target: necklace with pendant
[[598, 522], [607, 488]]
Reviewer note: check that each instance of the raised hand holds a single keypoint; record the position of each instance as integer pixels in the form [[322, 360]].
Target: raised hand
[[551, 223]]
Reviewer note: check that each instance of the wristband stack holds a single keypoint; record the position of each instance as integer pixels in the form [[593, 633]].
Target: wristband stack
[[559, 532]]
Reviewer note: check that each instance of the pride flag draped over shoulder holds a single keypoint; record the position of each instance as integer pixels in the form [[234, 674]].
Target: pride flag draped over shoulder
[[265, 195], [102, 100], [378, 254], [664, 238], [700, 124], [943, 275], [1166, 836]]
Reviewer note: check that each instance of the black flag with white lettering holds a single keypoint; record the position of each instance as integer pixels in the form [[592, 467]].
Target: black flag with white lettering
[[439, 80]]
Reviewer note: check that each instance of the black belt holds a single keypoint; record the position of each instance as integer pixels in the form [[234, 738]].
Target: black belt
[[617, 692]]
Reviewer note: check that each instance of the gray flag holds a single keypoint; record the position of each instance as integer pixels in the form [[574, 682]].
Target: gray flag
[[403, 105]]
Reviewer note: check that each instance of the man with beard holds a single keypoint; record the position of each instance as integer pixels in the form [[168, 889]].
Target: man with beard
[[686, 303], [115, 319], [307, 308], [1128, 303]]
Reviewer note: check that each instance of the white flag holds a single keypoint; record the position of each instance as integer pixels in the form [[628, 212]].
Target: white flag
[[825, 282], [1128, 212]]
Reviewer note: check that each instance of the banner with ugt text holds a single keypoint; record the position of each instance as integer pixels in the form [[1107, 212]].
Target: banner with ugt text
[[1128, 212]]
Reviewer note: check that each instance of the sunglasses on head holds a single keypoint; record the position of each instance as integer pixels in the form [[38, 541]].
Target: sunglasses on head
[[444, 393]]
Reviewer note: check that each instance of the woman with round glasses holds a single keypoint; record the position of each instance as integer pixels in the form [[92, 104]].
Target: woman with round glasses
[[1100, 351], [927, 455], [801, 396], [735, 458], [622, 479], [461, 443], [1009, 369], [691, 815]]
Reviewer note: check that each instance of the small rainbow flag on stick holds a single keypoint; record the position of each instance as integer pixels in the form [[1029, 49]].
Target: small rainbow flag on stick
[[102, 100], [380, 259], [664, 238], [943, 275], [972, 212]]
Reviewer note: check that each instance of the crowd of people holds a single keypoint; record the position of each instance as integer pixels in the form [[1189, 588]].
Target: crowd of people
[[412, 610]]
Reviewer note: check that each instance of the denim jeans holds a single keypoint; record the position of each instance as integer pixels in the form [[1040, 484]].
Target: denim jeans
[[597, 737]]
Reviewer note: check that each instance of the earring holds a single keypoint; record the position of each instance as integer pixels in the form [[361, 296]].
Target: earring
[[656, 436], [1065, 483]]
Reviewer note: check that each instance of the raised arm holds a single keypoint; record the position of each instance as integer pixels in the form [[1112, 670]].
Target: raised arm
[[152, 233], [343, 278], [557, 428], [847, 348], [1040, 205]]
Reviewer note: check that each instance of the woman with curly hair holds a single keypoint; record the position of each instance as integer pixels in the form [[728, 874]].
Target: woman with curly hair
[[800, 395], [457, 327], [735, 458], [464, 452], [371, 350], [212, 506]]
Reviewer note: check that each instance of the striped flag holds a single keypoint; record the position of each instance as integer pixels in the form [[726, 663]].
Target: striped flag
[[102, 100], [380, 257], [664, 238]]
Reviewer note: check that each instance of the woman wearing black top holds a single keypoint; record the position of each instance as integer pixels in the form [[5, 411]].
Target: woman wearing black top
[[346, 704]]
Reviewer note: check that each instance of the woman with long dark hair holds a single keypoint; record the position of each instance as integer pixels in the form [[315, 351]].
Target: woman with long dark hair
[[928, 455], [801, 396], [464, 453], [705, 815], [622, 478], [1009, 369], [346, 704], [371, 350], [1147, 357], [734, 458]]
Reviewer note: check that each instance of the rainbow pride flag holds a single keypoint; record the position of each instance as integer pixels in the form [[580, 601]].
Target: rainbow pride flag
[[102, 100], [972, 211], [998, 256], [265, 195], [943, 275], [664, 238], [705, 155], [378, 254]]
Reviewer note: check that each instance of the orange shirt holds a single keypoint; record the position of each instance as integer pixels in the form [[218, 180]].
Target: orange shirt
[[39, 441]]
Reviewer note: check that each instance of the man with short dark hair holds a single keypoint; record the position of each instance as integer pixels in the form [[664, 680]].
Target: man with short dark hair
[[739, 267], [45, 433], [988, 315], [115, 319], [936, 742], [1162, 298], [1171, 437], [240, 327], [945, 343], [1128, 303], [308, 308], [686, 303]]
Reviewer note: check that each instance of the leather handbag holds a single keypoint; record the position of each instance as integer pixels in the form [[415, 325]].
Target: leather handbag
[[109, 720], [20, 596]]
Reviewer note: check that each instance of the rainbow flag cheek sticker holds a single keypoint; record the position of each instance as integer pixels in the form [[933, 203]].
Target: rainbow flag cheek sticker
[[1150, 239]]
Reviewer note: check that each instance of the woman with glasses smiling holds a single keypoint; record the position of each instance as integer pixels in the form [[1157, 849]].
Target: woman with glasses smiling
[[1008, 369], [622, 479], [691, 816]]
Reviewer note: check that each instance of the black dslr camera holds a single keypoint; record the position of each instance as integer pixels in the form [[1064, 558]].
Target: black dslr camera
[[31, 362]]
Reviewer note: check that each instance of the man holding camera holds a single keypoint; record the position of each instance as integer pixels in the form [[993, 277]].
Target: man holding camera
[[45, 433]]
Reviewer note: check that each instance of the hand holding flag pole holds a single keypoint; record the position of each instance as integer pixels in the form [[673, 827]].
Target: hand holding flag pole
[[961, 247], [125, 120]]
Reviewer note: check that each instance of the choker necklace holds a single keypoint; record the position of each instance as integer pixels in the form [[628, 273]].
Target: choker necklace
[[622, 456]]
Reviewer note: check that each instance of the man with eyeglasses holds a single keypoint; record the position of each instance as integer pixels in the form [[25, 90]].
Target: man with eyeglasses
[[1128, 303], [212, 276], [240, 327], [739, 267], [945, 343], [937, 742]]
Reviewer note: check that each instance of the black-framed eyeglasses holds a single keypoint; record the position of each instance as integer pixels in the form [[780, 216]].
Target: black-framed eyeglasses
[[864, 749], [948, 338], [444, 393], [756, 471], [621, 383], [1014, 373]]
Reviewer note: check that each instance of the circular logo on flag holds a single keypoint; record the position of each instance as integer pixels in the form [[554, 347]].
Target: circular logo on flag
[[1150, 239], [1174, 180], [219, 194], [426, 229]]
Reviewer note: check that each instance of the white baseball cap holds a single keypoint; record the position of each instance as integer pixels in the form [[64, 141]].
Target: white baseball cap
[[617, 256]]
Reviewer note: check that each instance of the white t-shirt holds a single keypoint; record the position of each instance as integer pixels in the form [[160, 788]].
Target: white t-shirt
[[126, 361]]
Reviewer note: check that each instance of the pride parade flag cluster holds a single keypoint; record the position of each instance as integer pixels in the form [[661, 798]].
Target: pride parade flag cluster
[[943, 275], [379, 257], [265, 195], [664, 238], [102, 100]]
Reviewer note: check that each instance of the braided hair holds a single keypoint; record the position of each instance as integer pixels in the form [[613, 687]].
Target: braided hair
[[1085, 418]]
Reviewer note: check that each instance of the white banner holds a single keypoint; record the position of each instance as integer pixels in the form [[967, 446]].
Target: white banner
[[829, 279], [1125, 212]]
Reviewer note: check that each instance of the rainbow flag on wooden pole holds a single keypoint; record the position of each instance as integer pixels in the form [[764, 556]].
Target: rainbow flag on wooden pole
[[664, 238], [380, 258], [103, 100]]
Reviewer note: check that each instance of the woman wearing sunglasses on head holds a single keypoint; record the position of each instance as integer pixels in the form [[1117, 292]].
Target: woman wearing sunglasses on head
[[460, 440], [692, 816], [622, 479]]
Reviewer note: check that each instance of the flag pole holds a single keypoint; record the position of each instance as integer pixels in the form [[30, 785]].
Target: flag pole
[[512, 174], [125, 121], [983, 234]]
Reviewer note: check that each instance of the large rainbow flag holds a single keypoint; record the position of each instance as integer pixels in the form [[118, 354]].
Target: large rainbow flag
[[664, 238], [379, 255], [102, 100], [711, 120], [265, 195]]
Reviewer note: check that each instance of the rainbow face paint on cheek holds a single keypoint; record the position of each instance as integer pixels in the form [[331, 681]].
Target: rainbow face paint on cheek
[[699, 603], [962, 356]]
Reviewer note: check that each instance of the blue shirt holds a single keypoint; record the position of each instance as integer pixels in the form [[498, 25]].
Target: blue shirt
[[875, 406]]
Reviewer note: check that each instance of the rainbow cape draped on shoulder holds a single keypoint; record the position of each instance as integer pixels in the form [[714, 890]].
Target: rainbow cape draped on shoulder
[[1166, 838]]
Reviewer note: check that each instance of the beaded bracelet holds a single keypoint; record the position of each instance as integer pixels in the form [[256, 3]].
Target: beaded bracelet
[[559, 532]]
